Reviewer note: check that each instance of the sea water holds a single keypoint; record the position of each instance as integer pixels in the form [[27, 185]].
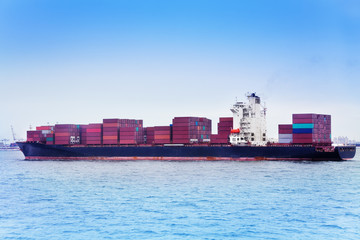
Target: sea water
[[178, 200]]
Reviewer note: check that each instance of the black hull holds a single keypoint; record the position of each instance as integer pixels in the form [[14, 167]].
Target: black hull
[[38, 151]]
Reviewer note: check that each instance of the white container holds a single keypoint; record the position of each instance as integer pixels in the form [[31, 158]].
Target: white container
[[285, 136], [285, 140]]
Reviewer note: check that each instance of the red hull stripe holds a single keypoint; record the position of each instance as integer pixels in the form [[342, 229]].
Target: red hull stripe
[[170, 158]]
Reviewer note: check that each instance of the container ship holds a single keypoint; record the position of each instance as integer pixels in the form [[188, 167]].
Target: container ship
[[242, 137]]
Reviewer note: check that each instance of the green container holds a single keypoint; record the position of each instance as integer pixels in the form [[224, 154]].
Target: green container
[[137, 129], [203, 127], [50, 139], [303, 125]]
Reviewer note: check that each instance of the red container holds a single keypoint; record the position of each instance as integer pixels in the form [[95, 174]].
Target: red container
[[127, 129], [162, 141], [62, 142], [158, 137], [44, 128], [304, 116], [226, 119], [127, 137], [181, 124], [303, 120], [93, 142], [285, 126], [110, 134], [181, 141], [181, 132], [285, 131], [303, 136], [162, 132], [182, 119], [111, 125], [223, 134], [181, 136], [62, 134], [95, 125], [110, 138], [110, 142], [94, 135], [127, 133], [302, 141], [111, 120], [93, 139], [110, 129], [64, 126], [62, 138], [127, 141], [224, 129], [162, 128], [93, 130]]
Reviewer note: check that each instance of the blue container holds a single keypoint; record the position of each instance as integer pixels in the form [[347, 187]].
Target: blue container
[[303, 125], [302, 130]]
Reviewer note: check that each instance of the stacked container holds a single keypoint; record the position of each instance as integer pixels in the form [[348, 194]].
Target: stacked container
[[162, 135], [83, 134], [67, 134], [123, 131], [312, 129], [48, 133], [44, 134], [150, 135], [224, 127], [131, 135], [285, 133], [111, 131], [35, 136], [191, 130], [94, 132]]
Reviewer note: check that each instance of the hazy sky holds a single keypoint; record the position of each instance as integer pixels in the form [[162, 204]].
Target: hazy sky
[[82, 61]]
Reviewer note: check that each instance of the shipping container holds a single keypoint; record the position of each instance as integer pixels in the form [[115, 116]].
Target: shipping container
[[303, 125], [303, 130], [285, 140], [288, 136]]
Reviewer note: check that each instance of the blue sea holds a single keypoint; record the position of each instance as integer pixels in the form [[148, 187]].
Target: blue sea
[[178, 200]]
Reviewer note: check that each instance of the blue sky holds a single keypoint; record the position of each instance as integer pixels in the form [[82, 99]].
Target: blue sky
[[82, 61]]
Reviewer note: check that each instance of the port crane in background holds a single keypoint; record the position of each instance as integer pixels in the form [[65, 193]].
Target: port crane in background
[[12, 131], [14, 136], [5, 141]]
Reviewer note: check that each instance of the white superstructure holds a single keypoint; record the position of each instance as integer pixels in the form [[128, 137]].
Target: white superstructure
[[249, 125]]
